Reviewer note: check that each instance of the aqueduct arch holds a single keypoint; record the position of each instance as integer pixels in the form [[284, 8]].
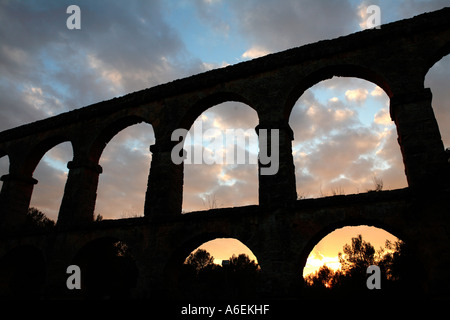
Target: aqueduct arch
[[328, 72], [280, 226], [204, 103], [203, 196]]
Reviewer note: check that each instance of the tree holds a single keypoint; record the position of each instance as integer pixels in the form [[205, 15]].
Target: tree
[[377, 183], [37, 220], [242, 263], [401, 268], [357, 257], [201, 278], [350, 281], [210, 201], [242, 277], [321, 278], [200, 259]]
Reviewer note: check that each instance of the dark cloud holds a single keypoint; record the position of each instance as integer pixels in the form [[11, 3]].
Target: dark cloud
[[211, 12], [119, 49], [17, 105], [273, 26], [415, 7]]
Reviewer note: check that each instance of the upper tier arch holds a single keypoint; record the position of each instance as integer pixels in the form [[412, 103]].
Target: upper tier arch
[[329, 71]]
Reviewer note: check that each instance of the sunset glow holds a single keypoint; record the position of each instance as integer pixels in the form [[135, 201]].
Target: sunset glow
[[224, 248], [326, 251]]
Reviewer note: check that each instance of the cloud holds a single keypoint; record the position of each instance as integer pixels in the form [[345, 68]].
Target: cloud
[[255, 52], [336, 148], [126, 164], [358, 95], [210, 66], [383, 117], [416, 7], [347, 161], [377, 92], [47, 69], [272, 26], [232, 184], [312, 119], [362, 15], [119, 49], [341, 115], [122, 185], [211, 12], [316, 259], [369, 12], [51, 174], [334, 99]]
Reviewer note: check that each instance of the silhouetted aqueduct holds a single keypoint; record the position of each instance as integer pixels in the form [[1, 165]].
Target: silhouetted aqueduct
[[281, 230]]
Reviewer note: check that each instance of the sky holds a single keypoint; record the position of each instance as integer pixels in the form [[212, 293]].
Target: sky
[[126, 46]]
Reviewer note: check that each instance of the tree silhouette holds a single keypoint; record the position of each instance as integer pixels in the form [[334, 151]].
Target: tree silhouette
[[201, 278], [200, 259], [242, 276], [350, 280], [37, 220], [321, 278], [357, 256], [242, 263]]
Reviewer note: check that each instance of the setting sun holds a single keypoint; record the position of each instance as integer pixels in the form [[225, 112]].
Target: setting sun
[[326, 251]]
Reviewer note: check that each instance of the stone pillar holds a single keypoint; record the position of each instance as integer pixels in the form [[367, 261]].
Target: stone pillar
[[278, 282], [80, 193], [424, 157], [276, 187], [14, 200], [280, 278], [164, 196]]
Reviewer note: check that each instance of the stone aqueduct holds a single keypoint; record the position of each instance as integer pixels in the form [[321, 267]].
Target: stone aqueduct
[[280, 230]]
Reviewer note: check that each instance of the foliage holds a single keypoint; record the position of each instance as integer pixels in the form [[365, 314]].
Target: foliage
[[357, 256], [350, 280], [199, 260], [201, 278], [242, 263], [37, 220]]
